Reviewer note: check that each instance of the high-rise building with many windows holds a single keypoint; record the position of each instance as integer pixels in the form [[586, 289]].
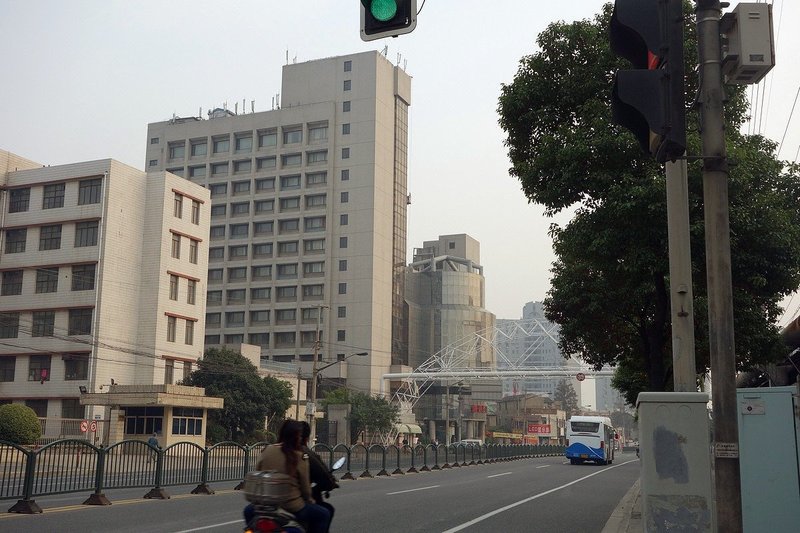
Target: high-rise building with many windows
[[308, 216], [102, 281]]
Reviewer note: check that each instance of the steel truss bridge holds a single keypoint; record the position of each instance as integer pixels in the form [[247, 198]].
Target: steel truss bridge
[[459, 360]]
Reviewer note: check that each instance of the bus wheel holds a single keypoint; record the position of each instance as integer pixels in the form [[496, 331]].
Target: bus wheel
[[573, 461]]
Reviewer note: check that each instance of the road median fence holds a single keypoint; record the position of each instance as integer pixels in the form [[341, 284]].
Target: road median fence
[[75, 465]]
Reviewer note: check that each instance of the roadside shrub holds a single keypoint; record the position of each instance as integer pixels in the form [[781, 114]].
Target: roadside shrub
[[18, 424], [215, 433]]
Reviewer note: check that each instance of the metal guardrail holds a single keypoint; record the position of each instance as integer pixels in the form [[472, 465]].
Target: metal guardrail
[[75, 465]]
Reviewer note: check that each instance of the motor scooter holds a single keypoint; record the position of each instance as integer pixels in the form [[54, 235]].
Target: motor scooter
[[266, 491]]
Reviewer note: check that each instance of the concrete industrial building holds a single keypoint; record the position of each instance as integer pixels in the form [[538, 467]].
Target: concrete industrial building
[[103, 283], [308, 209]]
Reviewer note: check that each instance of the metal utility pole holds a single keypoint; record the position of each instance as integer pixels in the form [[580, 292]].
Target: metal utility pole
[[718, 266], [311, 407], [447, 415], [680, 275], [297, 404]]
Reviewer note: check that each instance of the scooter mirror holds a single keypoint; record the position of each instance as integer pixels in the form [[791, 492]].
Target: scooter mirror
[[338, 464]]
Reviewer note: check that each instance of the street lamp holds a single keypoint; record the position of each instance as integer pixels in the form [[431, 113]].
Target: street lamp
[[312, 406]]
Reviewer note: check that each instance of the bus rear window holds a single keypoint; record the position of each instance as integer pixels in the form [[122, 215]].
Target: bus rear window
[[585, 427]]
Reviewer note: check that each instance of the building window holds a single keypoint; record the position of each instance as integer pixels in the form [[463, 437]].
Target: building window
[[7, 368], [346, 106], [316, 200], [153, 140], [265, 184], [314, 246], [318, 134], [345, 153], [290, 182], [285, 316], [244, 143], [344, 197], [217, 232], [187, 421], [261, 294], [236, 296], [53, 196], [9, 325], [89, 191], [314, 223], [346, 129], [177, 150], [320, 156], [193, 245], [178, 171], [188, 337], [316, 178], [342, 242], [343, 288], [176, 246], [239, 231], [86, 233], [215, 275], [83, 277], [240, 209], [234, 319], [199, 148], [343, 219], [172, 323], [222, 145], [38, 406], [262, 249], [241, 187], [216, 253], [291, 160], [76, 368], [218, 211], [343, 265], [177, 210], [12, 283], [290, 204], [348, 66], [287, 248], [314, 269], [287, 271], [173, 287], [347, 85], [243, 166], [213, 320], [143, 420], [286, 294], [284, 339], [237, 274], [213, 297], [267, 138], [218, 189], [197, 172], [256, 318], [15, 240], [263, 228], [237, 252], [46, 280], [237, 338], [219, 169], [341, 311], [266, 163], [341, 335], [292, 136], [312, 292], [195, 212], [43, 322], [80, 322], [258, 339], [20, 200], [50, 237], [261, 272], [39, 368], [345, 174], [169, 371], [289, 226], [153, 162]]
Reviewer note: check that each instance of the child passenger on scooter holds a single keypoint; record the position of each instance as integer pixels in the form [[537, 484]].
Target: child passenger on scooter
[[288, 457]]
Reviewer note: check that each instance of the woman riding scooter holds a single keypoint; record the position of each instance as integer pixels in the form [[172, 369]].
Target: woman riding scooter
[[287, 457]]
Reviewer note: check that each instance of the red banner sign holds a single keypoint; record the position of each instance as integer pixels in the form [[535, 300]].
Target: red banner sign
[[538, 429]]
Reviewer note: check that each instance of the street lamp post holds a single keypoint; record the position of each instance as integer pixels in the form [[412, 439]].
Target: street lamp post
[[311, 411]]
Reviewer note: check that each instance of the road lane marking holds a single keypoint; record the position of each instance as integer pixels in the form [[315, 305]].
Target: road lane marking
[[412, 490], [543, 466], [211, 526], [483, 517], [498, 475]]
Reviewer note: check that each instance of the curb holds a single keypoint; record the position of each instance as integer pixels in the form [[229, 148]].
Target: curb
[[621, 519]]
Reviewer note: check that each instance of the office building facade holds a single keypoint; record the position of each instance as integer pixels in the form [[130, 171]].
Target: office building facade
[[308, 209]]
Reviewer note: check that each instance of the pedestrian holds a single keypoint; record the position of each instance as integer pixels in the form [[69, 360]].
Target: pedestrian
[[153, 441]]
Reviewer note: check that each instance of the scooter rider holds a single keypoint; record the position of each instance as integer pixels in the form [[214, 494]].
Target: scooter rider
[[288, 457], [321, 476]]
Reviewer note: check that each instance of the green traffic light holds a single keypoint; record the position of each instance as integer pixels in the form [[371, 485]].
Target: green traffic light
[[383, 10]]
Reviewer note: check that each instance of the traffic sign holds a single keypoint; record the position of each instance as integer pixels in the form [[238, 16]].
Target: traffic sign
[[580, 376], [84, 426], [93, 426]]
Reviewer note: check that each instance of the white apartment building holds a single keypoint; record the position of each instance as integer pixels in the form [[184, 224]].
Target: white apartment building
[[308, 215], [102, 281]]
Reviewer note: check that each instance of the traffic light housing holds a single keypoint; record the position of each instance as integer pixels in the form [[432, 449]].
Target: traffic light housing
[[649, 99], [387, 18]]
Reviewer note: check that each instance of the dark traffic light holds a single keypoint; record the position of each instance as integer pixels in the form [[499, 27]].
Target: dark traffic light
[[649, 100], [387, 18]]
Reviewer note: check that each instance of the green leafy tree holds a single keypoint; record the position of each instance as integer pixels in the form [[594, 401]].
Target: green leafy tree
[[228, 374], [19, 424], [279, 399], [566, 395], [368, 414], [610, 279]]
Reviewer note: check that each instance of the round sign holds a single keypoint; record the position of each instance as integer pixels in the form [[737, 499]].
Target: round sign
[[580, 376], [84, 425], [93, 426]]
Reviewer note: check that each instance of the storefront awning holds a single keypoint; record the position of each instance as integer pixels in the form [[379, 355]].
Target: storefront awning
[[408, 428]]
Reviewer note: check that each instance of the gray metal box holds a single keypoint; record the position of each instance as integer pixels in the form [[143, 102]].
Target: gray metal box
[[750, 50]]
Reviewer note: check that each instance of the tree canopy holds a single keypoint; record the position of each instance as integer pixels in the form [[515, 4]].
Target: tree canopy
[[566, 395], [370, 414], [610, 280], [249, 399]]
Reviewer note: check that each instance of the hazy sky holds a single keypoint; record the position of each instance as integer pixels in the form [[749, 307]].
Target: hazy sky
[[81, 79]]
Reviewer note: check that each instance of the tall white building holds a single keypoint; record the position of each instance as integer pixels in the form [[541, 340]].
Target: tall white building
[[102, 273], [308, 230]]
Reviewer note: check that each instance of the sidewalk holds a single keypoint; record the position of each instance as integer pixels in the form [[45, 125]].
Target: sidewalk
[[627, 517]]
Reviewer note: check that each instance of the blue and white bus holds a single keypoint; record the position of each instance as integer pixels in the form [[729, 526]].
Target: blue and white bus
[[590, 438]]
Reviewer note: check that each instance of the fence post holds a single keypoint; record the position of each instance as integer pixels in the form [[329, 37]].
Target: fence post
[[203, 487], [413, 469], [157, 492], [398, 470], [348, 474], [26, 505], [383, 471], [98, 498]]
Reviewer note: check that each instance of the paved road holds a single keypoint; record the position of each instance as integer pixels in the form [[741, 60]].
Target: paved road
[[531, 495]]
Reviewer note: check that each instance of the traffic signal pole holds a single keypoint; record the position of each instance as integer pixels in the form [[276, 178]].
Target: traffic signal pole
[[718, 270]]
